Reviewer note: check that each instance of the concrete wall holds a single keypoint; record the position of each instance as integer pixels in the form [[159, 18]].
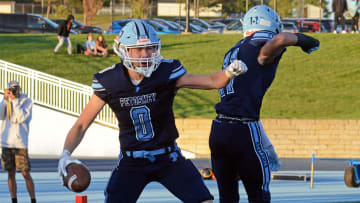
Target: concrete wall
[[49, 128], [292, 138]]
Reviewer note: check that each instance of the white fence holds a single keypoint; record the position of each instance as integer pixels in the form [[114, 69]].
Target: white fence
[[53, 92]]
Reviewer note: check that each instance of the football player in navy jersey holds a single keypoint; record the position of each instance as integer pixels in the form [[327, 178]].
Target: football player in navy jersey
[[237, 139], [140, 90]]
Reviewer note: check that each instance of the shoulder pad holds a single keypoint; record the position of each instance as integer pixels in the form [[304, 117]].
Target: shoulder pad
[[263, 35], [167, 60], [107, 69]]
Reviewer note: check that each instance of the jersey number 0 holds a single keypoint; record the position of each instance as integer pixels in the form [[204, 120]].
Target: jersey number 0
[[142, 123]]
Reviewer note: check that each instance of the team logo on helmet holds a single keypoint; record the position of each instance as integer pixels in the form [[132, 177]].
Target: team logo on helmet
[[261, 17]]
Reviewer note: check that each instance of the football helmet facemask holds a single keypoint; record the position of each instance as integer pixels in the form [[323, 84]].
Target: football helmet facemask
[[138, 34]]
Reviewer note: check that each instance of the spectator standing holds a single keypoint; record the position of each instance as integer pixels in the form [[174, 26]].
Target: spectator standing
[[90, 46], [16, 113], [63, 34], [354, 12], [339, 8], [101, 46]]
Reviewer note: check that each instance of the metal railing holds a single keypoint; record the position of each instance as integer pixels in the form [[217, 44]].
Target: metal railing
[[53, 92]]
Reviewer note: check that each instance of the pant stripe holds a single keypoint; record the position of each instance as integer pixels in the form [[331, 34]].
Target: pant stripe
[[256, 139]]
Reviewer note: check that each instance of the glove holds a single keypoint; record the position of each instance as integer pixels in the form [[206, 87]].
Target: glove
[[65, 159], [274, 160], [236, 68], [307, 44]]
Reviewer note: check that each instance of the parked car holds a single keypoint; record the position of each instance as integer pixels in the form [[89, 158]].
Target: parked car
[[27, 23], [169, 24], [176, 24], [192, 28], [233, 27], [311, 24], [81, 28], [159, 28], [203, 24], [116, 26], [225, 21], [290, 27]]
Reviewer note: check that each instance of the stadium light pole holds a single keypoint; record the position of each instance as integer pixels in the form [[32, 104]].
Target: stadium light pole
[[111, 10], [320, 17], [187, 16], [247, 5], [198, 8], [180, 15], [275, 5]]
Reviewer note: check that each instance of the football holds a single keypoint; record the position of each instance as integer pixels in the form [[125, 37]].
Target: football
[[349, 177], [78, 177]]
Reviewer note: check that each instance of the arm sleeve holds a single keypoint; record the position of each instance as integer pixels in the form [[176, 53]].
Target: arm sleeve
[[22, 110], [2, 110]]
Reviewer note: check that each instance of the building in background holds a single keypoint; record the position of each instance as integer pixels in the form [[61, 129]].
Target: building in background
[[7, 6], [172, 9], [309, 11]]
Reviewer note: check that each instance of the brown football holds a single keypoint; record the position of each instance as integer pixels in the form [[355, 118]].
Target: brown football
[[78, 177]]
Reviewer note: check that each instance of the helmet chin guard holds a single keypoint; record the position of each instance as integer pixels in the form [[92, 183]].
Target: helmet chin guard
[[138, 34]]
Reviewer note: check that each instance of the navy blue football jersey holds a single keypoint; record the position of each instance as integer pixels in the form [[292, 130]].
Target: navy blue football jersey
[[145, 115], [243, 95]]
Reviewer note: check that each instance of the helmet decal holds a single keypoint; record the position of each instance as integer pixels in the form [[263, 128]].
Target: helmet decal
[[261, 17]]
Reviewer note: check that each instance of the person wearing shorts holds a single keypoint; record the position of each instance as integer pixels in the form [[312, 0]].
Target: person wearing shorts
[[15, 114]]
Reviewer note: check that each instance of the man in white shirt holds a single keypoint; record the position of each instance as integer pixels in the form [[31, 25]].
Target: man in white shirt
[[15, 114]]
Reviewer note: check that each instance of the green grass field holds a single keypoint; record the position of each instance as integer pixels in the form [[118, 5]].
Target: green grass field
[[323, 85]]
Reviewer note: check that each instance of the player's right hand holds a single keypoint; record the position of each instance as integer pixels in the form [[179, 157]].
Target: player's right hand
[[236, 68], [307, 43], [65, 159]]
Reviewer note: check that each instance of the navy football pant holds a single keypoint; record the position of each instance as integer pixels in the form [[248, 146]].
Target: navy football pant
[[236, 152], [181, 178]]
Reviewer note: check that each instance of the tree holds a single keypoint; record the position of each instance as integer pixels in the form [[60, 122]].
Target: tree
[[140, 8], [234, 6], [285, 8], [90, 8]]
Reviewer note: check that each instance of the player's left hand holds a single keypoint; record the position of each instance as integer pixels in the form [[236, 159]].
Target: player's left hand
[[236, 68], [65, 159], [274, 160], [307, 43]]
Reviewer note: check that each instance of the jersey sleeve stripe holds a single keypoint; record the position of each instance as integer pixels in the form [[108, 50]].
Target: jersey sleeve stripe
[[99, 90], [177, 74], [178, 68], [97, 86]]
